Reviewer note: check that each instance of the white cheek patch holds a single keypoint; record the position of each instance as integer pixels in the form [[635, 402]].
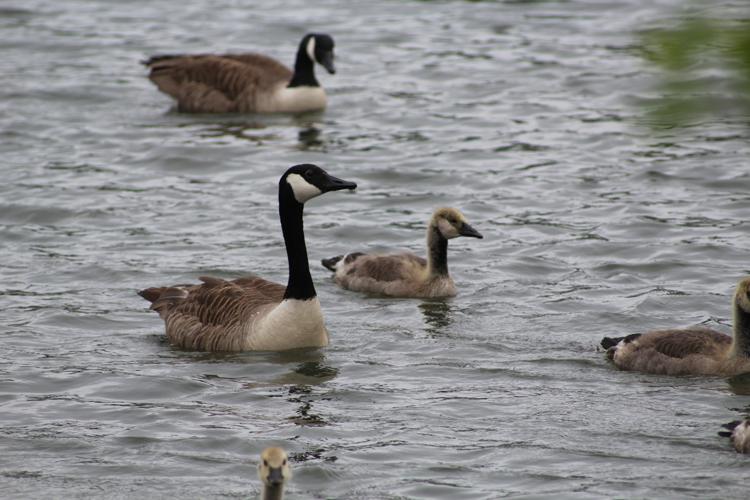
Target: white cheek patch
[[311, 49], [302, 189]]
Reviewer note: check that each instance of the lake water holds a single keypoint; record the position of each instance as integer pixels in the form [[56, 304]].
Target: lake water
[[527, 115]]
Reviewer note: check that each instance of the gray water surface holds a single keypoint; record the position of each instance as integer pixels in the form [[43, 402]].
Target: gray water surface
[[527, 115]]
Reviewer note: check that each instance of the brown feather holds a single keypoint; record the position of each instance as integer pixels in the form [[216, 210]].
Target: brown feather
[[210, 316], [217, 83]]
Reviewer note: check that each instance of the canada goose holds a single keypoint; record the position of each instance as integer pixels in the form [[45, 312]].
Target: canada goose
[[405, 274], [273, 471], [245, 83], [738, 434], [689, 351], [250, 313]]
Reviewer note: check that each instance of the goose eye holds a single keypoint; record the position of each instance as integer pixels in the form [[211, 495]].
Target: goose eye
[[308, 172], [265, 463], [283, 463]]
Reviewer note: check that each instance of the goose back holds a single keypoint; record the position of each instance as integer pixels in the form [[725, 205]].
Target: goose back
[[690, 351], [212, 316], [395, 275], [219, 83]]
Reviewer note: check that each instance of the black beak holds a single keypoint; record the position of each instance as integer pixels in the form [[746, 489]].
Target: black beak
[[331, 183], [467, 230], [327, 62], [275, 477]]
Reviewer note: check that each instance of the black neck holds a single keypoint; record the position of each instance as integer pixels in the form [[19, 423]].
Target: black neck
[[304, 69], [273, 492], [741, 331], [300, 285], [437, 248]]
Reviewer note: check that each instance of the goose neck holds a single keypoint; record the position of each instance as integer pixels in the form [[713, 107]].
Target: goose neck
[[273, 492], [300, 284], [304, 69], [437, 252], [741, 342]]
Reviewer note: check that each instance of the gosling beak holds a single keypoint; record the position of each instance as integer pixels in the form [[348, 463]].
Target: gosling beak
[[327, 62], [332, 183], [467, 230], [275, 477]]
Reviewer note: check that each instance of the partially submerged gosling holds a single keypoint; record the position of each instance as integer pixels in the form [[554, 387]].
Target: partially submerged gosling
[[738, 434], [245, 83], [274, 472], [405, 274], [689, 351]]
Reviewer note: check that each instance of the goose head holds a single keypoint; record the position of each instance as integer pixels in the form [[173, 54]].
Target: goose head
[[308, 181], [273, 469], [451, 223], [319, 48]]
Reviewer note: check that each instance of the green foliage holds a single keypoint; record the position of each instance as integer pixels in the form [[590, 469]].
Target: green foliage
[[705, 73]]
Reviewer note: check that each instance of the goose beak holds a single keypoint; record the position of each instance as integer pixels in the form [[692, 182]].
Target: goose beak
[[275, 477], [467, 230], [332, 183], [327, 62]]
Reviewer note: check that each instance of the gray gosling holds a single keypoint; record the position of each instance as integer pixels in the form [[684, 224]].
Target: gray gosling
[[274, 472], [245, 83], [405, 274], [250, 313], [689, 351], [738, 434]]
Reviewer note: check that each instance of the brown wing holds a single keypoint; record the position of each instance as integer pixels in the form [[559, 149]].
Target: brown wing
[[386, 267], [210, 316], [209, 83], [225, 303], [683, 343]]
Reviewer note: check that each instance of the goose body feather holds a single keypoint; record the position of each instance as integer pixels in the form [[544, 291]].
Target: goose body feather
[[689, 351], [246, 314], [239, 83]]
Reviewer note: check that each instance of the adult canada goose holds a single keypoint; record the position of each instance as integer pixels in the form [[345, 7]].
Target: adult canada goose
[[405, 274], [274, 472], [245, 83], [738, 434], [250, 313], [689, 351]]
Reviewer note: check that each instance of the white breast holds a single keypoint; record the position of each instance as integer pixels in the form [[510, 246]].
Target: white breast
[[291, 324], [294, 100]]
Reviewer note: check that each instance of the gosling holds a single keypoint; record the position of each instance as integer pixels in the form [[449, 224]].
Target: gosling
[[405, 274], [689, 351]]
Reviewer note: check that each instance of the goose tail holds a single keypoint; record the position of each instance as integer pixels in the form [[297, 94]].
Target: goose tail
[[611, 343], [330, 263]]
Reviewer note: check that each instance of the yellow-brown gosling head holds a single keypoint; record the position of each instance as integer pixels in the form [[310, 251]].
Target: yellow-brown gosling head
[[274, 472], [451, 223]]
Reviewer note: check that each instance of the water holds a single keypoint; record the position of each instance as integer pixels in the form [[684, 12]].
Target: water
[[526, 115]]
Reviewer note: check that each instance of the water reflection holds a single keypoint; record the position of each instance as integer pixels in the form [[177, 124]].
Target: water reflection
[[437, 316], [309, 137]]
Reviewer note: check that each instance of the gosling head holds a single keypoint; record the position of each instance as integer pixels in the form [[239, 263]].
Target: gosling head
[[319, 48], [273, 468], [308, 181], [451, 223], [742, 295]]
